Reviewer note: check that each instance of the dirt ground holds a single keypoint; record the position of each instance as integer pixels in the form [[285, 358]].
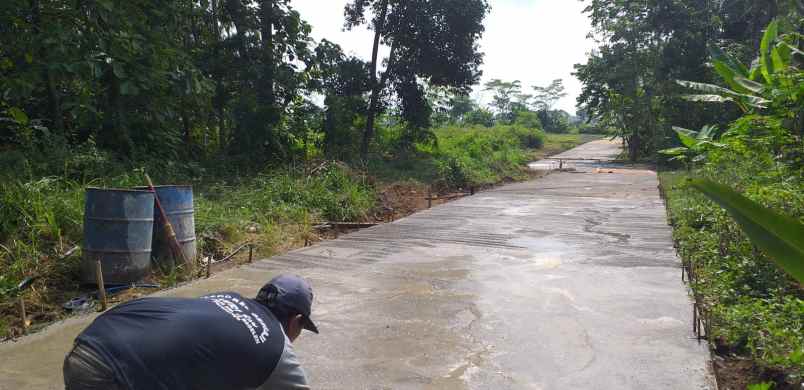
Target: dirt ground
[[735, 373]]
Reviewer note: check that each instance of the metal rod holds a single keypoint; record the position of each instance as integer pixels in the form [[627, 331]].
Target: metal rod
[[101, 286]]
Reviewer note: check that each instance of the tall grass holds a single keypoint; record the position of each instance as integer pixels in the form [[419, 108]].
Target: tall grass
[[480, 155], [41, 219]]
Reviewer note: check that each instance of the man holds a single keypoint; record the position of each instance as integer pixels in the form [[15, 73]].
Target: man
[[218, 341]]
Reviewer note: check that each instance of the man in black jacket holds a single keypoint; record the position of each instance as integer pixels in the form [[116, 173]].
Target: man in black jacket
[[218, 341]]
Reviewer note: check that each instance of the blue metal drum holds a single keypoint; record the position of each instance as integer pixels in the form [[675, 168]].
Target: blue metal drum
[[178, 204], [118, 230]]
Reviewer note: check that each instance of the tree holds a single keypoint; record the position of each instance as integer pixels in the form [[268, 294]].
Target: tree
[[480, 117], [554, 121], [644, 47], [503, 99], [430, 40], [547, 96], [459, 106], [344, 81]]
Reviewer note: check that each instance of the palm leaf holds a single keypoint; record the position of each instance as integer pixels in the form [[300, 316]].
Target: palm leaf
[[779, 236]]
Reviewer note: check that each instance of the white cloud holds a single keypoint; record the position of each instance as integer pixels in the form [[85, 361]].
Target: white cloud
[[534, 41]]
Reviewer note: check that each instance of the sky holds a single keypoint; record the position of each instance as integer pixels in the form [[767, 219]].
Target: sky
[[534, 41]]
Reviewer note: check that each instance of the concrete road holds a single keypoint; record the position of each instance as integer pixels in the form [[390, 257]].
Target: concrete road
[[566, 282]]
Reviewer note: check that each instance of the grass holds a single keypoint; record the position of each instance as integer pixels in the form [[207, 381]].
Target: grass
[[475, 156], [41, 217], [557, 143]]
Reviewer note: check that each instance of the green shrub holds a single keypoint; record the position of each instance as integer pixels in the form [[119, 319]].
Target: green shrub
[[469, 156], [756, 309], [529, 137]]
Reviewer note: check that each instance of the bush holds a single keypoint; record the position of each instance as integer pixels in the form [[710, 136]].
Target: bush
[[755, 307], [479, 117], [529, 137], [593, 128], [554, 121], [471, 156], [528, 119]]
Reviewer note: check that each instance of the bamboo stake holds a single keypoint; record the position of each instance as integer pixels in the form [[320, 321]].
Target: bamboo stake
[[101, 286], [23, 315], [178, 252]]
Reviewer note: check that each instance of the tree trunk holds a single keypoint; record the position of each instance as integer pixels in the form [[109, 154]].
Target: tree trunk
[[53, 100], [235, 10], [267, 90], [266, 101], [188, 137], [220, 97], [376, 88]]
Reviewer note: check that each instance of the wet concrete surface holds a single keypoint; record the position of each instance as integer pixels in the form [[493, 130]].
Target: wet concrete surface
[[569, 282]]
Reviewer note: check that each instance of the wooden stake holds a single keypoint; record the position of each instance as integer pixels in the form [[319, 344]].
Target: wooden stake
[[178, 251], [23, 314], [101, 286], [429, 197], [209, 266], [250, 252]]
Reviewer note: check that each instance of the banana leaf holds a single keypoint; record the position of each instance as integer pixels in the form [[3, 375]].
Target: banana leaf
[[707, 98], [729, 76], [686, 136], [674, 151], [766, 63], [750, 85], [779, 236], [735, 65]]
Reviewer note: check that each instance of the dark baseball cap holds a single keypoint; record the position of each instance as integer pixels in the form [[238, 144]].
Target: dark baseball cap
[[292, 292]]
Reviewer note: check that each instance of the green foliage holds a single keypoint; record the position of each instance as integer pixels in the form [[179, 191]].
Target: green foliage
[[528, 119], [779, 236], [696, 144], [38, 217], [755, 308], [554, 121], [479, 117], [434, 41], [502, 100], [547, 96], [761, 386], [629, 80], [471, 156]]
